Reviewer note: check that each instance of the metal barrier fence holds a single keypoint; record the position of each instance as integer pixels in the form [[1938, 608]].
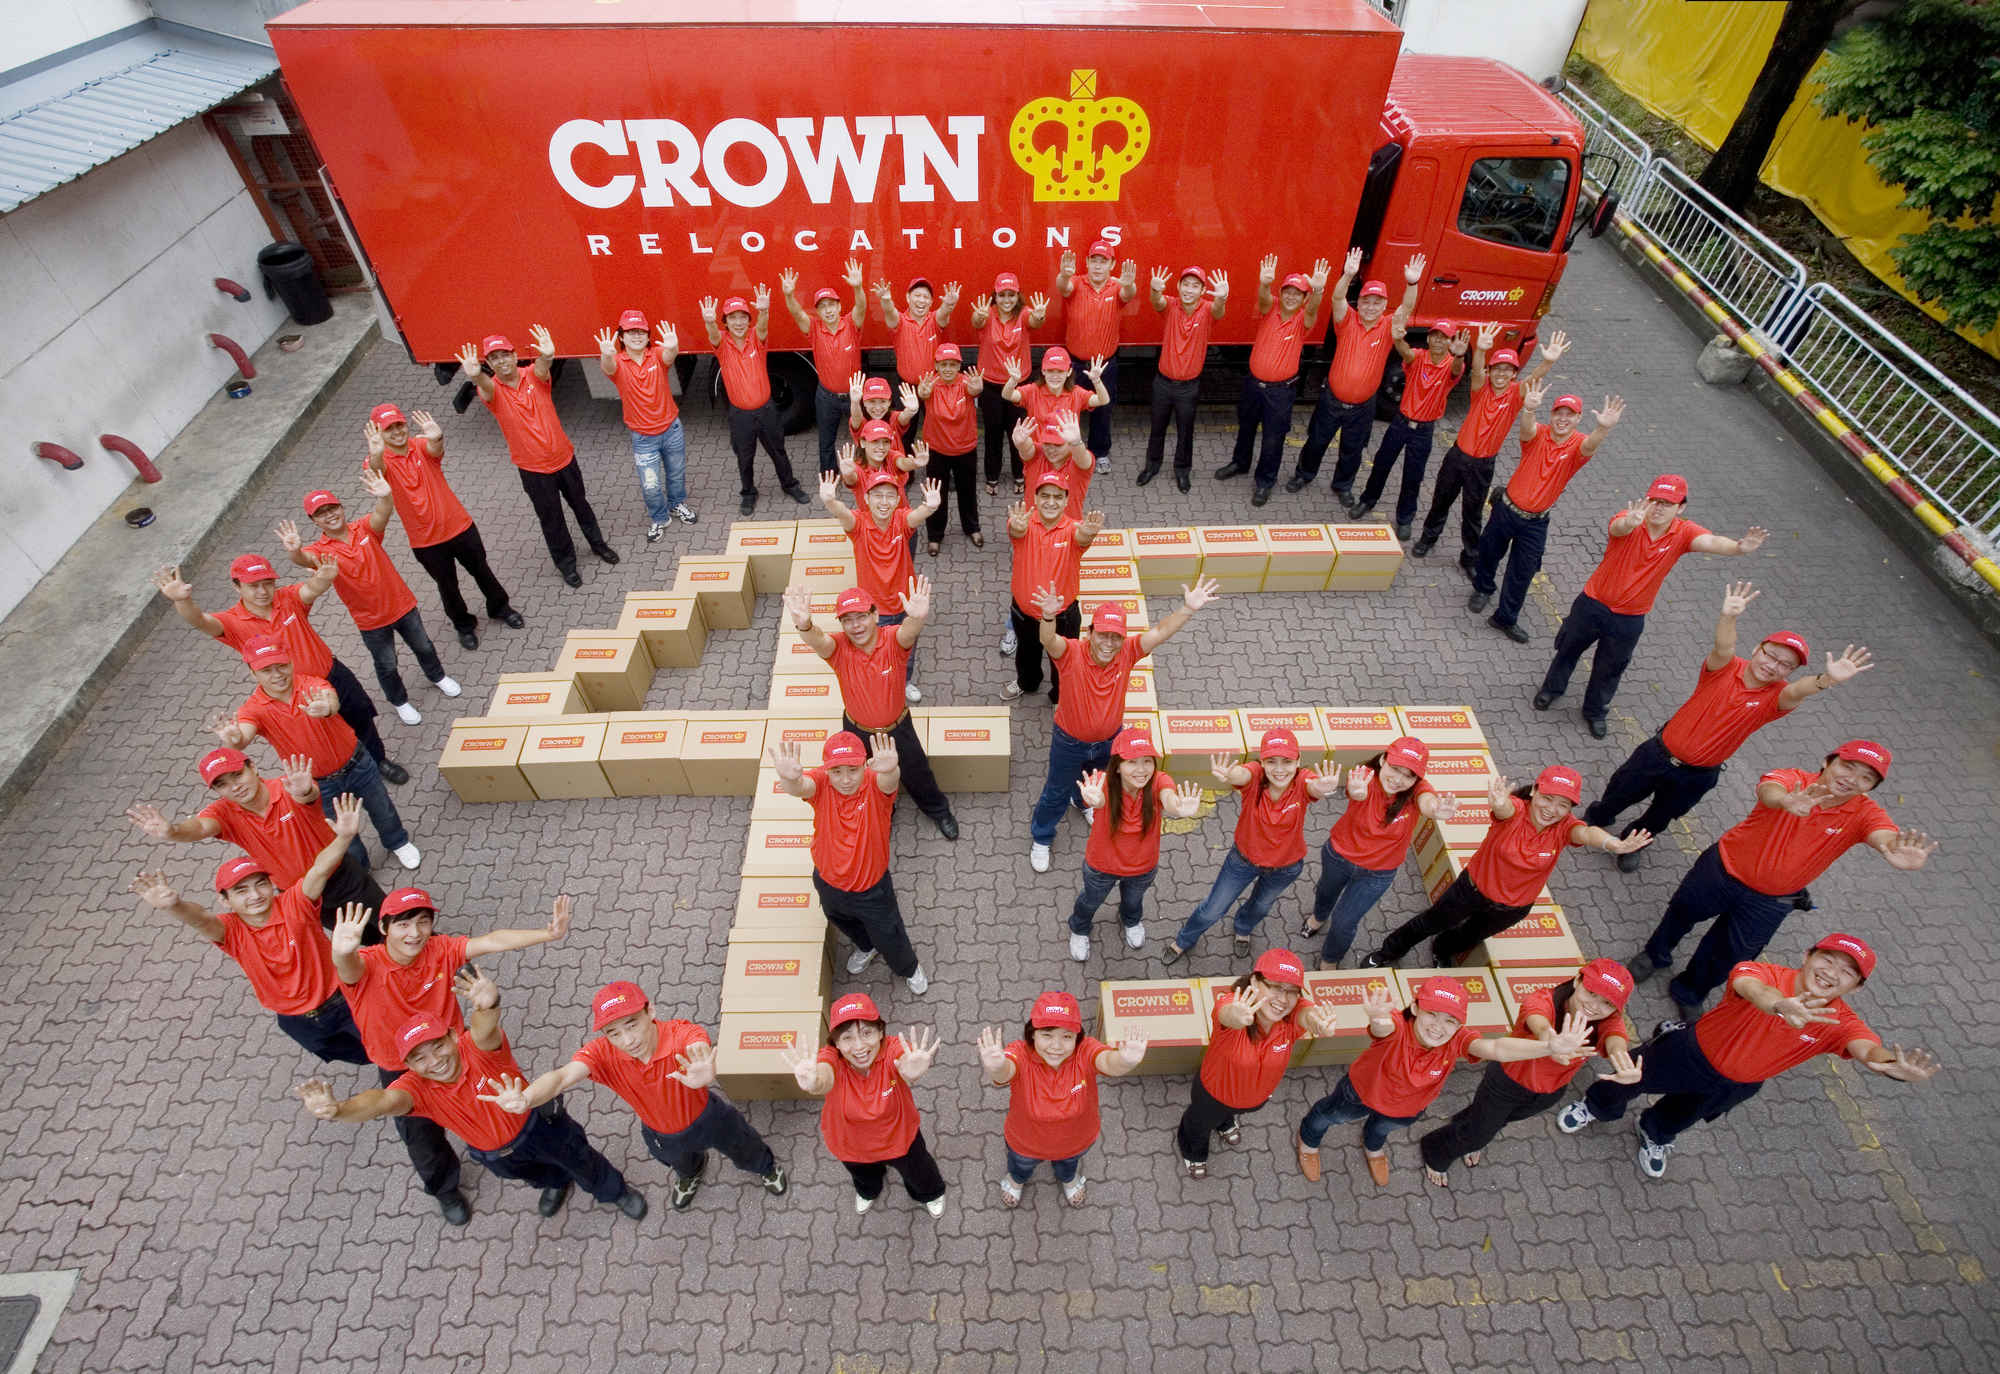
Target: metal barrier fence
[[1738, 266], [1627, 152]]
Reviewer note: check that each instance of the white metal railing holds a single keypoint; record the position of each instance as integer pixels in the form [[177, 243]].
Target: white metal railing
[[1604, 135], [1745, 271]]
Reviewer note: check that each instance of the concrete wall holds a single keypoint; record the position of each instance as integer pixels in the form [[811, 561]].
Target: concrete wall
[[35, 29]]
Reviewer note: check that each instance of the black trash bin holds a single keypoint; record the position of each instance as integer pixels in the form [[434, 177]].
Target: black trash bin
[[290, 275]]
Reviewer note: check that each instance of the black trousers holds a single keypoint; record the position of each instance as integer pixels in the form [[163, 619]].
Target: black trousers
[[1409, 440], [1689, 1087], [955, 472], [831, 412], [431, 1154], [1097, 428], [1498, 1103], [1454, 923], [356, 708], [1521, 540], [1466, 477], [1028, 646], [748, 428], [546, 492], [918, 1170], [465, 549], [911, 761], [998, 416], [1351, 422], [327, 1031], [719, 1127], [1205, 1115], [1616, 636], [552, 1151], [870, 919], [352, 882], [1268, 404], [1174, 401], [1652, 773]]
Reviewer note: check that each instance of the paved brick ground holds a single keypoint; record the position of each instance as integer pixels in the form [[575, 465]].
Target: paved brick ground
[[1836, 1222]]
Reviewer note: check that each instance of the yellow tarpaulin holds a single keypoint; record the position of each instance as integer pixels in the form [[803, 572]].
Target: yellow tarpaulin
[[1695, 63]]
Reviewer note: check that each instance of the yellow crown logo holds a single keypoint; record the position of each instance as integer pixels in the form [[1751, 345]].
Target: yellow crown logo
[[1074, 165]]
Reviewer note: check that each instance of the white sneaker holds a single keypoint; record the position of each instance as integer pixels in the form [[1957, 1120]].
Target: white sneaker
[[1652, 1154], [408, 856], [409, 714], [1038, 858], [911, 694], [1575, 1117], [935, 1207], [655, 530], [1079, 947], [919, 982], [448, 686], [1012, 691], [683, 514], [862, 1204], [1135, 936], [1009, 642], [861, 959]]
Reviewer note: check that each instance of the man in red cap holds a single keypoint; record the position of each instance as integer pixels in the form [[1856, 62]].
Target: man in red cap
[[1467, 469], [377, 598], [880, 533], [916, 330], [411, 975], [949, 394], [1758, 872], [1647, 538], [1003, 337], [665, 1071], [873, 669], [283, 613], [1551, 454], [836, 348], [1428, 379], [1183, 352], [459, 1075], [1274, 372], [643, 373], [1362, 341], [1091, 310], [853, 797], [1056, 445], [1099, 668], [1048, 552], [523, 405], [441, 531], [1770, 1020], [295, 712], [741, 354], [1733, 698], [273, 932]]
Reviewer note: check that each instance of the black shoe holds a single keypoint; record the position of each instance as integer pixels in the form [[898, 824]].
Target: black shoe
[[1148, 473], [1344, 495], [947, 825], [444, 372], [605, 552], [512, 619], [1260, 496], [1424, 545], [1598, 728], [775, 1183], [456, 1209], [1229, 470], [466, 392], [469, 638], [798, 495], [1510, 629], [1181, 481], [1297, 482], [748, 505], [1356, 514], [1173, 953], [632, 1204], [1478, 601], [1403, 530], [392, 772], [1687, 1012], [686, 1188], [1544, 700], [1374, 960], [573, 577], [552, 1200], [1642, 966], [1629, 863]]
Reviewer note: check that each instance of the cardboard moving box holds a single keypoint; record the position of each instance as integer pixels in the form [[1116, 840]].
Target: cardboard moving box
[[1518, 984], [778, 909], [1132, 603], [482, 760], [1486, 1014], [1466, 830], [612, 670], [1356, 734], [1187, 738], [773, 803], [721, 752], [1168, 559], [970, 753], [758, 975], [804, 694], [1540, 938], [825, 572], [1302, 721], [820, 539], [1442, 727], [1301, 557], [778, 849], [1108, 576], [750, 1049], [1141, 693], [560, 760], [1234, 555], [723, 587], [1167, 1011], [536, 696], [1460, 770], [671, 625], [810, 733], [641, 756], [767, 547], [796, 657], [1111, 544], [1365, 558], [1343, 991]]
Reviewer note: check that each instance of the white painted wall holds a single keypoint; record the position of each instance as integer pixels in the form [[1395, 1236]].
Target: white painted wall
[[1534, 37], [35, 29], [106, 299]]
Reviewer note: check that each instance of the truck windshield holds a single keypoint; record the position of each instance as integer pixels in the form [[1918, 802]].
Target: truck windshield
[[1517, 201]]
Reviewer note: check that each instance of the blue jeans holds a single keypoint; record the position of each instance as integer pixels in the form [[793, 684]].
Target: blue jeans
[[1097, 423], [1745, 921], [1409, 440], [1344, 894], [889, 624], [1097, 886], [1342, 1105], [1021, 1168], [381, 643], [830, 414], [1521, 541], [1238, 873], [360, 776], [1069, 759], [662, 462]]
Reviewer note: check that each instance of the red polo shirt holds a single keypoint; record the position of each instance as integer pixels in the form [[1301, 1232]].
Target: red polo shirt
[[836, 352], [1397, 1076], [1271, 831], [389, 994], [285, 839], [1360, 355], [644, 393], [1000, 340], [327, 741], [882, 565], [1274, 357], [850, 844], [1093, 698], [872, 1116], [1040, 403], [951, 422], [374, 593], [1750, 1046], [1052, 1113], [1037, 466], [1712, 724], [1487, 420], [746, 377], [871, 684], [1427, 386], [290, 622], [1546, 466], [916, 345], [430, 509], [456, 1105], [1776, 853], [1546, 1075], [1125, 846], [647, 1085], [1090, 316], [1514, 861], [1045, 554], [1366, 837], [1241, 1068], [894, 420], [1634, 565], [1184, 339], [288, 959], [526, 413]]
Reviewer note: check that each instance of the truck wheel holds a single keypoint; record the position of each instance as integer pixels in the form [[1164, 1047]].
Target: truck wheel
[[793, 383]]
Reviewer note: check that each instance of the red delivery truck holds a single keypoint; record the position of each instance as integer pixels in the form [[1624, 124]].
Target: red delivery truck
[[555, 161]]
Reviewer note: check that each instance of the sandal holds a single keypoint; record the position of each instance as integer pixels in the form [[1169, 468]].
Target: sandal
[[1073, 1192], [1472, 1159], [1309, 931], [1020, 486], [992, 488], [1010, 1192]]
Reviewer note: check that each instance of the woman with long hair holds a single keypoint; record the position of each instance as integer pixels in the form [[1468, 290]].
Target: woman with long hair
[[1358, 862], [1130, 801]]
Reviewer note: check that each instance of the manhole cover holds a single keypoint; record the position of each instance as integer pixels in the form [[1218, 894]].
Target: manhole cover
[[17, 1315]]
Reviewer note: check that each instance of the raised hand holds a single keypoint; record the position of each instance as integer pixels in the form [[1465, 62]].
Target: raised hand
[[917, 595], [883, 760], [1188, 793], [607, 341], [670, 338], [804, 1064], [1800, 1012], [1067, 422], [761, 298], [1613, 412], [1631, 844], [1092, 523], [696, 1067], [1218, 283], [1068, 266], [785, 760], [920, 1047], [559, 918], [477, 989], [788, 281], [1128, 272], [1013, 366], [149, 819], [1413, 270], [155, 891], [297, 778], [468, 358], [1910, 850], [982, 306], [168, 580], [1753, 539], [907, 394], [1803, 801], [952, 290], [1321, 271], [1566, 1046], [227, 728], [347, 815], [1910, 1066], [707, 306], [1447, 805], [1378, 1004], [508, 1093], [992, 1052], [1095, 371], [1556, 345], [798, 605], [1205, 590], [371, 434], [1358, 778], [1352, 263], [1219, 766], [288, 535], [1049, 601], [926, 384], [1037, 303], [1131, 1050], [1267, 269], [1531, 395], [1252, 1000], [1017, 515], [1736, 599], [1497, 789], [829, 483], [1319, 1020], [854, 385], [853, 275], [882, 290], [374, 483], [1160, 280], [539, 336], [1624, 1068], [426, 424], [318, 1098], [1489, 334], [1090, 788], [1460, 342], [322, 703], [350, 923]]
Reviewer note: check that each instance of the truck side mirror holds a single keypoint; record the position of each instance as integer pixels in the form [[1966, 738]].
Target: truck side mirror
[[1603, 213]]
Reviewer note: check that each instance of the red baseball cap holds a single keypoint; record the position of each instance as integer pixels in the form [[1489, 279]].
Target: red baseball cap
[[1055, 360], [633, 319], [1408, 752], [234, 871], [1280, 966], [1057, 1011], [614, 1001], [854, 1006], [1103, 248], [1868, 752], [1298, 281], [915, 282], [1134, 744], [265, 652], [878, 477], [1443, 994], [1108, 618], [1785, 639], [317, 501], [875, 388], [1505, 356], [1052, 431], [1373, 287], [385, 415], [252, 567], [420, 1029], [1568, 403], [495, 343], [1006, 281], [854, 601], [1609, 979], [878, 429], [1195, 272], [1443, 327], [843, 748], [947, 351], [217, 763], [1559, 780], [1278, 744], [826, 293], [1668, 486], [735, 305], [403, 901], [1059, 480], [1855, 948]]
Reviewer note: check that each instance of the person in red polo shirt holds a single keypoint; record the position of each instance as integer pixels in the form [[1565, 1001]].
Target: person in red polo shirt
[[743, 358], [1467, 470], [1646, 539], [1428, 378], [459, 1076], [1772, 1019], [1091, 311], [1048, 552], [870, 403], [1269, 851], [1367, 845], [523, 404], [1362, 339], [665, 1072], [881, 532], [1052, 1108], [1127, 803], [869, 1120], [442, 534], [1758, 872], [1733, 698], [1256, 1023], [1531, 827], [1402, 1072], [1053, 396], [951, 430], [1593, 1002], [642, 370], [1099, 666], [284, 613], [375, 594], [916, 329], [835, 336], [1551, 454], [872, 667], [1003, 336], [1183, 351], [1274, 372], [411, 974], [273, 931], [853, 797]]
